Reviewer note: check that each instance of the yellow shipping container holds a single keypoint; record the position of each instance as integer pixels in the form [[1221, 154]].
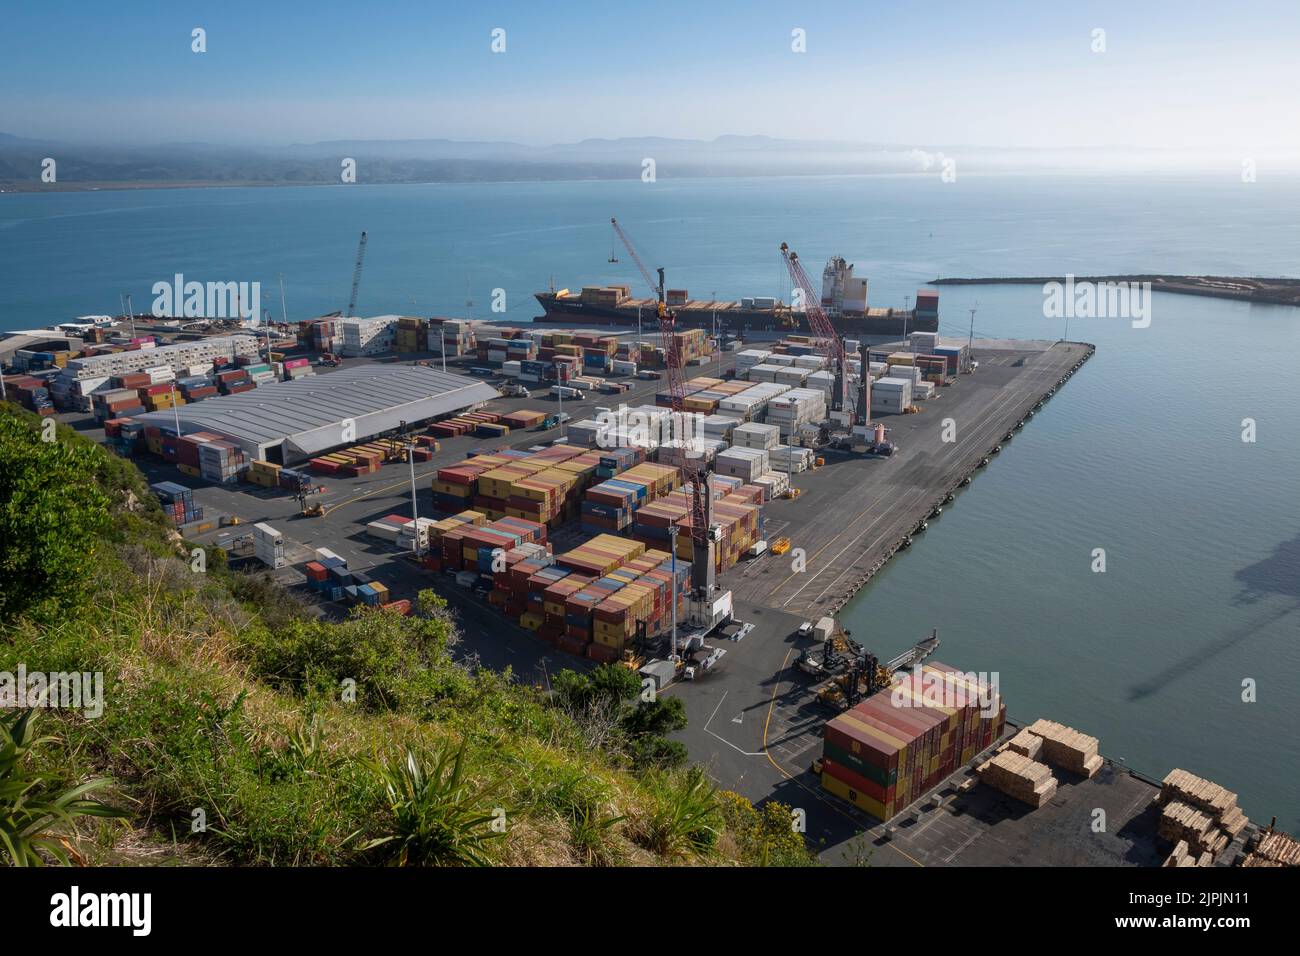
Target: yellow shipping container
[[859, 800]]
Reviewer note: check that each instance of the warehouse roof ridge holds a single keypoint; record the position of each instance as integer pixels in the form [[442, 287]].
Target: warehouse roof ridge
[[308, 414]]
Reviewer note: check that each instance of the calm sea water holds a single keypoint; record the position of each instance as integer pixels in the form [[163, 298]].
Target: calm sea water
[[1141, 454]]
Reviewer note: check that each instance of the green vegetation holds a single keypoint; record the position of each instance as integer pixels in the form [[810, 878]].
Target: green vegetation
[[30, 805], [238, 729]]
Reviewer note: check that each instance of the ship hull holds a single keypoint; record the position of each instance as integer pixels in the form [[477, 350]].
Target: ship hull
[[734, 319]]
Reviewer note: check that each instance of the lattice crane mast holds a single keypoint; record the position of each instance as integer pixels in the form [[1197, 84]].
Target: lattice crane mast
[[356, 275], [694, 475], [823, 332]]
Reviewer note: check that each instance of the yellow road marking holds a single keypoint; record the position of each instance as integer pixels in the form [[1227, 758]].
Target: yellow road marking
[[771, 704]]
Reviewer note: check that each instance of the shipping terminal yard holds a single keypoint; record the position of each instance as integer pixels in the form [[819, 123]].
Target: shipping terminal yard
[[692, 505]]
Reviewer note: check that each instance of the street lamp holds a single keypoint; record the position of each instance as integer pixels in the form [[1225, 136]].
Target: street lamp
[[672, 539]]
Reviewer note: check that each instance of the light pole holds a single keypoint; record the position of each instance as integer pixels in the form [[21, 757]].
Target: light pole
[[284, 312], [410, 461], [560, 379], [672, 540], [442, 341], [907, 311], [176, 411]]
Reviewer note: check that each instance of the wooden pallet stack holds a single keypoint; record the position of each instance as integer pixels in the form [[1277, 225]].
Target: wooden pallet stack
[[1018, 776], [1067, 748]]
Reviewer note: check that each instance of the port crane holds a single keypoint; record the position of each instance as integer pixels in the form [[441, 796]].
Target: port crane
[[694, 474], [847, 410], [823, 332], [356, 275]]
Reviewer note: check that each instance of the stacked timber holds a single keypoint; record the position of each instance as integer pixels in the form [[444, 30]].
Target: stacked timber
[[1217, 801], [1026, 744], [1067, 748], [1275, 849], [1182, 821], [1181, 856], [1184, 792], [1018, 776]]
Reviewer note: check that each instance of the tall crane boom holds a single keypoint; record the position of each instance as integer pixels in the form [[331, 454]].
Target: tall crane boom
[[823, 332], [694, 473], [656, 291], [356, 275]]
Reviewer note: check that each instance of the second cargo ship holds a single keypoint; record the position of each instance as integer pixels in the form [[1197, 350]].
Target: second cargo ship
[[843, 298]]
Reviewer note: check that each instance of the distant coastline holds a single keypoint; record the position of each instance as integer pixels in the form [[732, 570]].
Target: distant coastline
[[1273, 291]]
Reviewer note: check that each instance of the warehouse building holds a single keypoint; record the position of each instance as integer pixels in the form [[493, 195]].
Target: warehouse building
[[289, 422]]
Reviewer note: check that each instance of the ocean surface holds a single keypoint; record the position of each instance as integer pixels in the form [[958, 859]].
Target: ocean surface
[[1141, 454]]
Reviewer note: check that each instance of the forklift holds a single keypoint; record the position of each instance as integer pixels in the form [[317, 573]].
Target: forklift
[[306, 508]]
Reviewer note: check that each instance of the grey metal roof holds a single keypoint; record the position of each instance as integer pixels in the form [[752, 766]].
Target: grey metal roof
[[309, 414]]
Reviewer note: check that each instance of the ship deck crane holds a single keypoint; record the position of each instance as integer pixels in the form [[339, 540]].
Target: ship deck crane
[[823, 332], [356, 275]]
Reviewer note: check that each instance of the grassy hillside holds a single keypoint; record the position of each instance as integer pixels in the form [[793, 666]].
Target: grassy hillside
[[238, 729]]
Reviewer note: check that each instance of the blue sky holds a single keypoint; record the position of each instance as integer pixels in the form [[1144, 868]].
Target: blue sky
[[1189, 75]]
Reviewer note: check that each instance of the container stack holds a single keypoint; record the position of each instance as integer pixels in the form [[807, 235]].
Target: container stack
[[177, 502], [268, 545], [772, 484], [1019, 776], [799, 406], [909, 373], [891, 396], [411, 335], [264, 473], [293, 369], [456, 334], [736, 520], [318, 335], [221, 462], [233, 381], [601, 555], [388, 528], [718, 427], [117, 403], [744, 463], [893, 747], [368, 336], [754, 435], [790, 460], [1066, 748], [432, 546]]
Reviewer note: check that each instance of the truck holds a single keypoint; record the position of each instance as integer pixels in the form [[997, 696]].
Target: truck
[[514, 390], [564, 391]]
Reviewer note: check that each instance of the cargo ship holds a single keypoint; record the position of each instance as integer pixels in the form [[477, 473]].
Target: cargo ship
[[844, 299]]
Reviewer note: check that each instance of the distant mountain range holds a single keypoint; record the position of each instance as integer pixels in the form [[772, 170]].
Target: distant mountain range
[[89, 166]]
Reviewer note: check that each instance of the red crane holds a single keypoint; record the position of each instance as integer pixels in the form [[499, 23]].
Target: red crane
[[823, 333], [695, 474]]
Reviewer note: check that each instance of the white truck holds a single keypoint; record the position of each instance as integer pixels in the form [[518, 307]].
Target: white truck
[[514, 390], [563, 391]]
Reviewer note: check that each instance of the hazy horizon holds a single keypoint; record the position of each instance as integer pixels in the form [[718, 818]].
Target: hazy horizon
[[1001, 77]]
